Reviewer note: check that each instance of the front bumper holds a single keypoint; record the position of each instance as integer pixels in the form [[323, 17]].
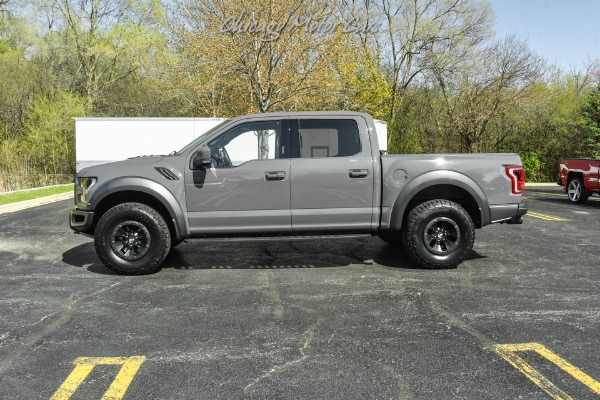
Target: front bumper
[[508, 213], [81, 221]]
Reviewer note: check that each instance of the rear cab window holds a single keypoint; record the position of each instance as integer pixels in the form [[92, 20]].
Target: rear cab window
[[325, 138]]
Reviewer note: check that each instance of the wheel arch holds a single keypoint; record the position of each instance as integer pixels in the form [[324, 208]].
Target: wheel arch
[[446, 185], [139, 190], [574, 174]]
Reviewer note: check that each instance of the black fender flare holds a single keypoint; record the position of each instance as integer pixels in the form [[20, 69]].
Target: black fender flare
[[433, 178], [147, 186]]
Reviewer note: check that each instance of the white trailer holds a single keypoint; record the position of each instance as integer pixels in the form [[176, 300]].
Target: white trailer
[[102, 140], [381, 130]]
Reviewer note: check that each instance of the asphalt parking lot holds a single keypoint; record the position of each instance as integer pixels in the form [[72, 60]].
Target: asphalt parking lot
[[332, 319]]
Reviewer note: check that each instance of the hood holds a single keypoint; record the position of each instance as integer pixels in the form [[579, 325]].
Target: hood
[[122, 166]]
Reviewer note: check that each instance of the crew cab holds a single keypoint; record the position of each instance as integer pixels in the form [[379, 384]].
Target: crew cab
[[286, 175], [580, 178]]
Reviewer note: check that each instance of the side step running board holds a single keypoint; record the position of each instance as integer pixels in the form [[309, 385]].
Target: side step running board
[[277, 238]]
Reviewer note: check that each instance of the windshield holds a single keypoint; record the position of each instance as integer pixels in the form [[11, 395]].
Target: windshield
[[194, 142]]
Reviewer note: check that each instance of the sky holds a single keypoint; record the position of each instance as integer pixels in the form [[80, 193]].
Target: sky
[[566, 33]]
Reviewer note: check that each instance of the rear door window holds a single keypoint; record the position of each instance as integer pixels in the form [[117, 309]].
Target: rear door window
[[322, 138]]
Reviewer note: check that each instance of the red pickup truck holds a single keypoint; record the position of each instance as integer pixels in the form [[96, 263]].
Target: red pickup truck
[[580, 177]]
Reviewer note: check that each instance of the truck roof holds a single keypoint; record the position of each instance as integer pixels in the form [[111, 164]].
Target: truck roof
[[304, 114], [149, 119], [258, 115]]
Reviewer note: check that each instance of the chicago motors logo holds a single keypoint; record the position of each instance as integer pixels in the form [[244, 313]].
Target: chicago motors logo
[[272, 30]]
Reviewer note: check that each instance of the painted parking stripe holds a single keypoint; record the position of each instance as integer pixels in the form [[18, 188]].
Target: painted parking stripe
[[508, 352], [85, 365], [544, 216]]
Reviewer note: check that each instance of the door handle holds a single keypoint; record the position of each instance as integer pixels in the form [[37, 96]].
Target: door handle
[[358, 173], [275, 176]]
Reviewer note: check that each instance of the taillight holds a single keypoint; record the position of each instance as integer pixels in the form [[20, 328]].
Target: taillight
[[516, 173]]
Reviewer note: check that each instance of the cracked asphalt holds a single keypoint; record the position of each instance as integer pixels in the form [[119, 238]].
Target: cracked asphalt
[[327, 319]]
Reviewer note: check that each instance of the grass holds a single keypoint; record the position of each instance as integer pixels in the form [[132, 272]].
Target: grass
[[34, 194]]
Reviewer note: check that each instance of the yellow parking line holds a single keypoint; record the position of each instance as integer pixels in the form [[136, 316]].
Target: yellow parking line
[[85, 365], [507, 351], [544, 216], [70, 385]]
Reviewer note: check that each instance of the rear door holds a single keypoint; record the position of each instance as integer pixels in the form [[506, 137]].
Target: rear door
[[247, 188], [332, 174]]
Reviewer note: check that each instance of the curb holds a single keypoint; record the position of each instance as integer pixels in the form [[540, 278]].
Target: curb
[[23, 205], [534, 184]]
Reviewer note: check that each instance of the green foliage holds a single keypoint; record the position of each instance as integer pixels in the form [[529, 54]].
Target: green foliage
[[19, 82], [362, 85], [591, 113], [532, 166], [50, 133], [9, 159]]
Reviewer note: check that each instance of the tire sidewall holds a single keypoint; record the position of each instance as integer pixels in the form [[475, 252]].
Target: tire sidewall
[[416, 230], [150, 262], [583, 196]]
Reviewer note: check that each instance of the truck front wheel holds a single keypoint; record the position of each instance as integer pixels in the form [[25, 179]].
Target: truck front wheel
[[132, 239], [438, 234]]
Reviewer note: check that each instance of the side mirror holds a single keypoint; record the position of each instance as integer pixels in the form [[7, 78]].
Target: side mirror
[[202, 158]]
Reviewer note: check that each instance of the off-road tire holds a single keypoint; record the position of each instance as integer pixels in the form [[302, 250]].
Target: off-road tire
[[449, 217], [149, 223], [576, 191]]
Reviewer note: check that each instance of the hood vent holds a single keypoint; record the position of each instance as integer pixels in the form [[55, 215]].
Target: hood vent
[[167, 173]]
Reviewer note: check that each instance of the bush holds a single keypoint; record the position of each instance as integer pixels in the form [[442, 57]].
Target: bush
[[532, 166]]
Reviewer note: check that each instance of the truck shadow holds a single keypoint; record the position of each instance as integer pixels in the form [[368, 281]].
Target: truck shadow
[[198, 255], [84, 256]]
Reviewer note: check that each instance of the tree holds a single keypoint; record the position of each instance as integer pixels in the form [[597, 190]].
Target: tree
[[101, 42], [50, 134], [591, 112], [4, 10], [415, 30], [242, 56], [20, 81], [484, 87]]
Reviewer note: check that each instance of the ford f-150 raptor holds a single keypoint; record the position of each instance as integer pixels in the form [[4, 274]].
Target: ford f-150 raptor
[[294, 174]]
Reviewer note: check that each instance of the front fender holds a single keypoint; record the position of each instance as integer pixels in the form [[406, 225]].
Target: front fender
[[146, 186], [441, 177]]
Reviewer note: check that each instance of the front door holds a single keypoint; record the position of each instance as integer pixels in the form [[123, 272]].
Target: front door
[[247, 188]]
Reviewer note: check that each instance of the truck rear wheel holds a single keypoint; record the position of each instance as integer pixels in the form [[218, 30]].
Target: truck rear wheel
[[132, 239], [576, 191], [438, 234]]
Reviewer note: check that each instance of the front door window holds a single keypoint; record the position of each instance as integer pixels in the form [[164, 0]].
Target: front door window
[[246, 142]]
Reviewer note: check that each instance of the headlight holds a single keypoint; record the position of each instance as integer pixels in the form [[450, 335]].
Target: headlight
[[82, 187]]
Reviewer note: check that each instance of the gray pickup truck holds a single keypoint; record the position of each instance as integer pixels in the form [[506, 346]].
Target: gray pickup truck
[[286, 175]]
